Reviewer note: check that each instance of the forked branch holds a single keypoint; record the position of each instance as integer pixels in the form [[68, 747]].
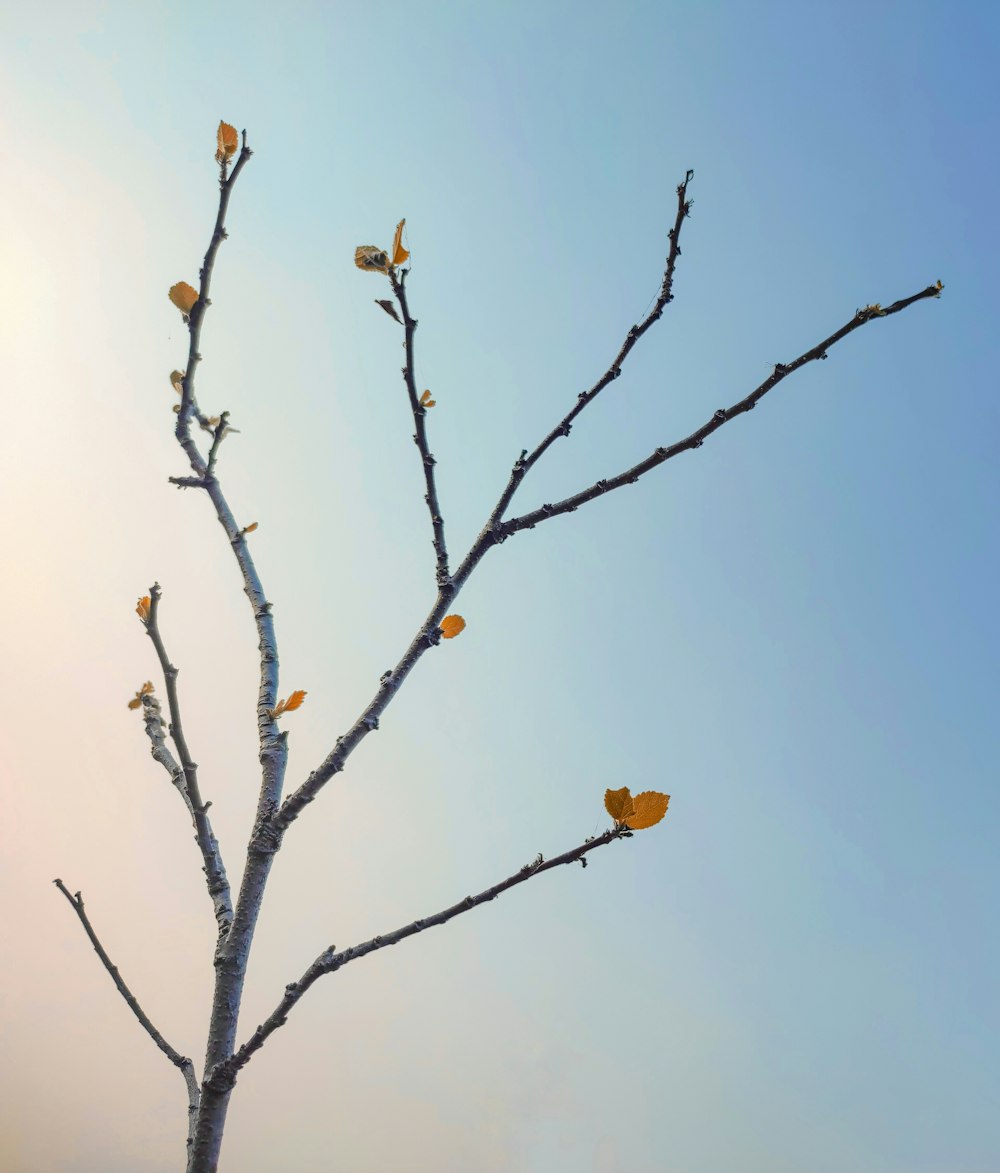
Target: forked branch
[[224, 1075], [722, 416], [585, 398], [185, 777], [494, 532]]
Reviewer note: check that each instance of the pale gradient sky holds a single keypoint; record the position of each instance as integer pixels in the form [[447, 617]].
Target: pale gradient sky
[[793, 631]]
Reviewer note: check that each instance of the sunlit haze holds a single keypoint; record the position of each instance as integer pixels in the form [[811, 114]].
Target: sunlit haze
[[793, 631]]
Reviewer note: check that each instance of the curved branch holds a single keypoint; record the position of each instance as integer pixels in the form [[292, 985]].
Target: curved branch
[[185, 778], [176, 1058], [420, 435], [525, 461], [224, 1075], [722, 416]]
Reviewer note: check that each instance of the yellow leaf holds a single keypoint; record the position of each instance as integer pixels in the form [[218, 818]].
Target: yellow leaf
[[451, 625], [136, 701], [248, 529], [399, 254], [372, 258], [293, 702], [618, 804], [183, 296], [142, 608], [228, 141], [426, 401], [649, 808]]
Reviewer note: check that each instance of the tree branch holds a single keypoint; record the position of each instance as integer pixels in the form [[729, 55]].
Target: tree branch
[[224, 1075], [420, 435], [524, 461], [493, 532], [185, 778], [722, 416], [180, 1061]]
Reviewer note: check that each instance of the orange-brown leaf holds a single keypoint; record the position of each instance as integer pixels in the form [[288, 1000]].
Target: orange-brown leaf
[[183, 296], [650, 807], [399, 254], [618, 804], [371, 258], [227, 140], [426, 401], [142, 608], [293, 702], [136, 701], [248, 529], [451, 625]]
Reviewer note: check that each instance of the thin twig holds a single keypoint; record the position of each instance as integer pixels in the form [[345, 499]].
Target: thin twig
[[214, 868], [329, 960], [722, 416], [420, 435], [176, 1058], [525, 461], [197, 315]]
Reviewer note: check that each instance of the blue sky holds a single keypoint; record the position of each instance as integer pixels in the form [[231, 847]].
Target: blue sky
[[792, 631]]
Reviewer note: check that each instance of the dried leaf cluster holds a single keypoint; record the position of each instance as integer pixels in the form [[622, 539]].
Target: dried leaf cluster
[[637, 813], [373, 259], [136, 701]]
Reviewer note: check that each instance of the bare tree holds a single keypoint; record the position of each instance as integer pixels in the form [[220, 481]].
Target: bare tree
[[208, 1097]]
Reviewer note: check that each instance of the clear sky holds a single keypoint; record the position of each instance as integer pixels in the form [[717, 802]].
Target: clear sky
[[792, 631]]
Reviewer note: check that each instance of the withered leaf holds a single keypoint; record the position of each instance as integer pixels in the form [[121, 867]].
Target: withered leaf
[[177, 381], [649, 808], [228, 141], [451, 625], [399, 254], [389, 308], [142, 608], [183, 296], [136, 701], [294, 701], [372, 258], [618, 804], [426, 401], [248, 529]]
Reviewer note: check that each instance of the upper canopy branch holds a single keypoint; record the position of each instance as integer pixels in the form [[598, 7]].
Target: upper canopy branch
[[526, 461], [722, 416], [420, 429]]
